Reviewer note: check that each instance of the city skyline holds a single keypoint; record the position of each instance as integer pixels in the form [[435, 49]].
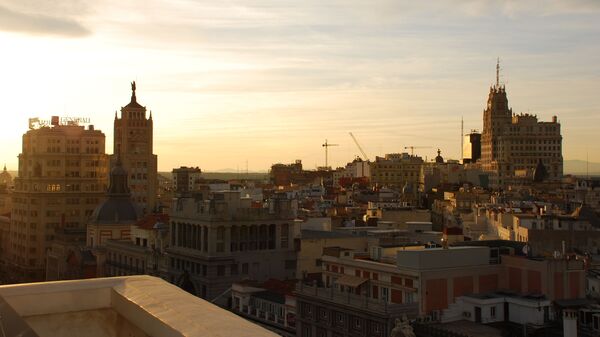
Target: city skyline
[[239, 83]]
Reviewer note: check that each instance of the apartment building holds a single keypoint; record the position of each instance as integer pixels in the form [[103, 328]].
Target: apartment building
[[62, 178], [362, 294], [396, 170]]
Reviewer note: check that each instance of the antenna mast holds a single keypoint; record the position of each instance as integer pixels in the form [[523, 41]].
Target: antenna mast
[[498, 73], [462, 139]]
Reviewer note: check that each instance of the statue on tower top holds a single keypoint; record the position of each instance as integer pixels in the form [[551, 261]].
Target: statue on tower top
[[133, 98]]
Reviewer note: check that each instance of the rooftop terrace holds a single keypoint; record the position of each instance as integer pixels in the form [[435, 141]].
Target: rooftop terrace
[[133, 306]]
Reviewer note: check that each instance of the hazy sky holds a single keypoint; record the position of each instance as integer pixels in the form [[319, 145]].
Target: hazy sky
[[269, 81]]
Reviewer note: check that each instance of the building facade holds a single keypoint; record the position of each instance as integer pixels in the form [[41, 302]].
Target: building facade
[[472, 147], [185, 178], [396, 169], [133, 141], [62, 177], [512, 145], [112, 220], [143, 252], [219, 238]]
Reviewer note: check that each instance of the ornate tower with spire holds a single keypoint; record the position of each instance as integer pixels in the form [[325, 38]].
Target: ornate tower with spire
[[512, 145], [134, 144], [496, 119]]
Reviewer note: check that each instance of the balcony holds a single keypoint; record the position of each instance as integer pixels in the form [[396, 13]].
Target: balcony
[[355, 302]]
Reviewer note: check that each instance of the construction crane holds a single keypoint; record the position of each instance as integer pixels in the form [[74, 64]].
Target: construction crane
[[412, 148], [326, 146], [359, 147]]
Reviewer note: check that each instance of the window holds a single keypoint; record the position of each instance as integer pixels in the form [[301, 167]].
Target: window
[[290, 264], [220, 270], [493, 312], [221, 239], [322, 314], [356, 323], [285, 235], [244, 269], [385, 294], [234, 269]]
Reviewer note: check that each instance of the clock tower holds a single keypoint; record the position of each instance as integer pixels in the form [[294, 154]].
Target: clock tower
[[133, 143]]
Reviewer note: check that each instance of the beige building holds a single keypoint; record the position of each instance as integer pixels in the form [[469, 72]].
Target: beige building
[[62, 177], [513, 145], [396, 169], [313, 242], [133, 141]]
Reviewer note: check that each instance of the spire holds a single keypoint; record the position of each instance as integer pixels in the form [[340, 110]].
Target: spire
[[4, 167], [118, 178], [150, 114], [133, 98], [497, 73]]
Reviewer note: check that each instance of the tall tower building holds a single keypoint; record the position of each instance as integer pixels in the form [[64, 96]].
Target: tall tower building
[[62, 178], [134, 143], [513, 145]]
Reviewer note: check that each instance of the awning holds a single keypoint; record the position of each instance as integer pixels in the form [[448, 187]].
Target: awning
[[351, 281]]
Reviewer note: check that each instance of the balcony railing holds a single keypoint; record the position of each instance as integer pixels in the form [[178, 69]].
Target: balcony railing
[[360, 302]]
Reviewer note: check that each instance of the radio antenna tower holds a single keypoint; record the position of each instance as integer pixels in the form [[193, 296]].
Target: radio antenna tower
[[462, 139]]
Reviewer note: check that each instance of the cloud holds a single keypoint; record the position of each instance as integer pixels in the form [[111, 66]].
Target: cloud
[[38, 24]]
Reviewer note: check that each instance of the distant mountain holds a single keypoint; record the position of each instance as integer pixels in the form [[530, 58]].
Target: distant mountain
[[581, 167]]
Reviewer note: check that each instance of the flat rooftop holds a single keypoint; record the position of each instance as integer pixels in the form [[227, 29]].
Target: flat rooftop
[[470, 329], [133, 306]]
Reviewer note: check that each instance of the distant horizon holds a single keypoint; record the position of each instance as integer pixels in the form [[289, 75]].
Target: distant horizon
[[595, 171]]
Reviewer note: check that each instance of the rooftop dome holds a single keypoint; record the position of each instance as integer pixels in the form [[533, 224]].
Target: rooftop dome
[[118, 207], [439, 159]]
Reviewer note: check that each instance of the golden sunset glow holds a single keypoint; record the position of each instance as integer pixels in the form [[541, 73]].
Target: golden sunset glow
[[269, 81]]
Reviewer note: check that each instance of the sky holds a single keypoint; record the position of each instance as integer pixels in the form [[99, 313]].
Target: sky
[[256, 82]]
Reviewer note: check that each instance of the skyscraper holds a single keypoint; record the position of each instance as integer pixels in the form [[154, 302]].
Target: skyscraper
[[513, 145], [133, 141], [62, 177]]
